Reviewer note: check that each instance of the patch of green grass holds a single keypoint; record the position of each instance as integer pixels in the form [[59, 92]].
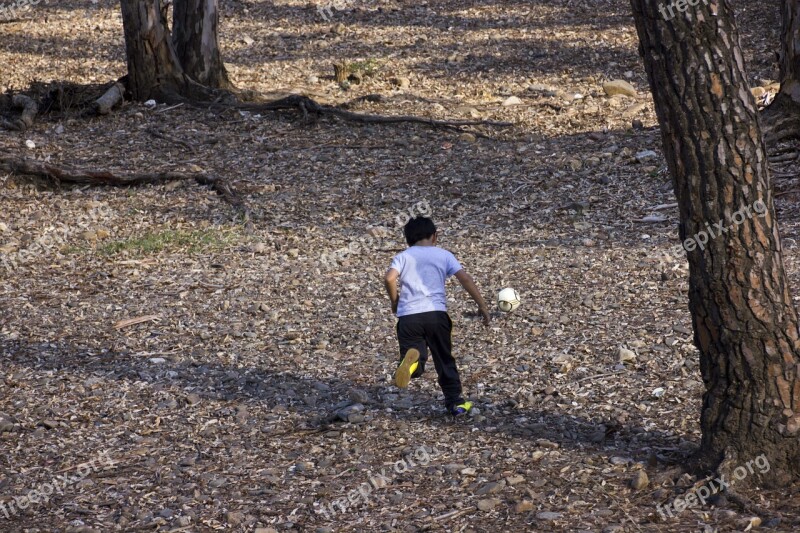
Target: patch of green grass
[[367, 67], [192, 242]]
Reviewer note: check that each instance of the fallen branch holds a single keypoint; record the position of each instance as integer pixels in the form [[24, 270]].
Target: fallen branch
[[104, 178], [110, 98]]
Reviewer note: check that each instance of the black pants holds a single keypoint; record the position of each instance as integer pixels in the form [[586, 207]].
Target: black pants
[[432, 330]]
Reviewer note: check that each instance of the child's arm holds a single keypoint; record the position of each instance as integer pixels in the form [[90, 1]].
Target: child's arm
[[469, 285], [390, 280]]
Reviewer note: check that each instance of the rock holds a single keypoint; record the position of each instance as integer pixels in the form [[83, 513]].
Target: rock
[[193, 398], [491, 488], [548, 516], [511, 100], [634, 110], [6, 426], [544, 443], [248, 40], [401, 82], [48, 424], [625, 356], [467, 137], [514, 480], [158, 360], [640, 480], [622, 87], [234, 517], [268, 530], [293, 253], [523, 507], [537, 455], [30, 145], [452, 468], [312, 79], [487, 505], [469, 472], [645, 155], [658, 392]]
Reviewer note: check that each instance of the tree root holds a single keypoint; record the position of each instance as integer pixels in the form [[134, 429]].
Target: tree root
[[103, 178], [308, 106], [29, 111]]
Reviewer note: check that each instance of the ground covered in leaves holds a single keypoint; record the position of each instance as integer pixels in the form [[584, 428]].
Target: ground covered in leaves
[[168, 365]]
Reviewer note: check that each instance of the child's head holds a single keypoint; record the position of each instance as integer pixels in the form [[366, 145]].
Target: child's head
[[418, 229]]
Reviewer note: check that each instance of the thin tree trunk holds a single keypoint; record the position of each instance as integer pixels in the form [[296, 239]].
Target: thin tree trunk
[[745, 324], [195, 36]]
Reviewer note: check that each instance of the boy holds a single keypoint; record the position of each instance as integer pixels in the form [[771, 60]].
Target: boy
[[421, 309]]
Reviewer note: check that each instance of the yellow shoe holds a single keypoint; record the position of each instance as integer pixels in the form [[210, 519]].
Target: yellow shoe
[[461, 409], [403, 373]]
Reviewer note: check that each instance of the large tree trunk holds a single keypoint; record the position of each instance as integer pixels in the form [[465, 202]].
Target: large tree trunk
[[194, 34], [153, 67], [745, 325]]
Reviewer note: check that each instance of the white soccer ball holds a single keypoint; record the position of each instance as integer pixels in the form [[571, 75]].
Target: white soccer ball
[[508, 300]]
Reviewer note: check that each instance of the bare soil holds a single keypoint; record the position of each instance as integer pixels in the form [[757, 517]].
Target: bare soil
[[229, 406]]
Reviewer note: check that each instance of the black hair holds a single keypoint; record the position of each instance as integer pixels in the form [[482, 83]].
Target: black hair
[[418, 229]]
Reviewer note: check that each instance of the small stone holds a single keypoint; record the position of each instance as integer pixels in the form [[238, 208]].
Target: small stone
[[488, 504], [523, 507], [468, 472], [645, 155], [544, 443], [625, 356], [403, 83], [511, 100], [312, 79], [158, 360], [548, 516], [234, 517], [49, 424], [6, 426], [467, 137], [30, 145], [537, 455], [640, 480], [248, 40], [294, 252], [491, 488], [514, 480], [193, 398], [622, 87], [634, 110]]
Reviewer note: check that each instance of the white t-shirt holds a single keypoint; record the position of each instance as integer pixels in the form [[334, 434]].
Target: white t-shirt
[[423, 271]]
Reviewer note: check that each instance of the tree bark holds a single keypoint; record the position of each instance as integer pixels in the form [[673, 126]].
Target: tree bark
[[790, 50], [153, 66], [745, 324], [195, 36]]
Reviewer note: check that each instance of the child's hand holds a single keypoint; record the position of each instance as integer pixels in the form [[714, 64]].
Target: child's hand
[[484, 312]]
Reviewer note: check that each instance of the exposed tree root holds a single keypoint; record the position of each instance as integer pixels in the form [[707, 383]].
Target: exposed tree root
[[29, 111], [104, 178], [309, 107], [781, 120]]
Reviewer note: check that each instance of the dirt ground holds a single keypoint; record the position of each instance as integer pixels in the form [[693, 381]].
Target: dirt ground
[[255, 391]]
